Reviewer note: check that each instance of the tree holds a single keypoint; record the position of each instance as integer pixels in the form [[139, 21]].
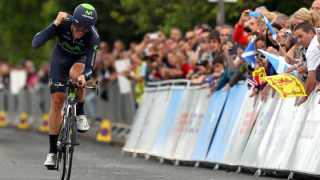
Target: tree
[[20, 22], [128, 20], [152, 15]]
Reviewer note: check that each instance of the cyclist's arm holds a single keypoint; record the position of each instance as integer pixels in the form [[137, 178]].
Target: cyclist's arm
[[42, 37], [91, 56]]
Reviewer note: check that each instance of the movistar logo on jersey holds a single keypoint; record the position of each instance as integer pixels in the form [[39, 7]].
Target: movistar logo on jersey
[[95, 48], [67, 45], [88, 13]]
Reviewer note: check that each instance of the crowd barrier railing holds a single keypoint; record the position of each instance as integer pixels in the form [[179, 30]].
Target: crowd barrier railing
[[29, 109], [179, 124]]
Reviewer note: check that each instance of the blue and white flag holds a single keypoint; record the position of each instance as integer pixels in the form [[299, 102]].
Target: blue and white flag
[[278, 62], [249, 53], [273, 32]]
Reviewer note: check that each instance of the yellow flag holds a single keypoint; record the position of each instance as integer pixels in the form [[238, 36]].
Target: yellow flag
[[287, 85], [258, 75]]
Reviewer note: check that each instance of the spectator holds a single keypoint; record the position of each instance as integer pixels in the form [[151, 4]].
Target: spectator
[[307, 37], [184, 66], [272, 44], [214, 44], [131, 49], [191, 39], [199, 29], [137, 73], [200, 72], [282, 20], [316, 6], [43, 76], [175, 34], [104, 51], [304, 15], [172, 72], [204, 50], [4, 75], [300, 16], [31, 74], [245, 21], [225, 32], [168, 42], [118, 51]]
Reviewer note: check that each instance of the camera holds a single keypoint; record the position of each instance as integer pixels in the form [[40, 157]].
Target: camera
[[288, 32], [154, 36]]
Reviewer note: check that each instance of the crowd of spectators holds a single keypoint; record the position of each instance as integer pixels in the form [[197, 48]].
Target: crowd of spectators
[[209, 56], [212, 56]]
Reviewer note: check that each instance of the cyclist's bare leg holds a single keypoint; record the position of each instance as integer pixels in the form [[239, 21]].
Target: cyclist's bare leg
[[76, 71], [57, 100]]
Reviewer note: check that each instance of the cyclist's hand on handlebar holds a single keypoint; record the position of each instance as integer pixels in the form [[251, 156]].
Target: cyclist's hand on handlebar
[[60, 18], [83, 81]]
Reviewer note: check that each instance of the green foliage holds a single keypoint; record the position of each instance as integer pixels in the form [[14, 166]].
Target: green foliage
[[20, 22], [128, 20], [152, 15]]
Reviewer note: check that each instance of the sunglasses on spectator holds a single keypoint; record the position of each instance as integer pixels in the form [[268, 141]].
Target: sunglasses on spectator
[[80, 28], [189, 38]]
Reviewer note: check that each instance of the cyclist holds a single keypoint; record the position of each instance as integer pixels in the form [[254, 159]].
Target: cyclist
[[73, 56]]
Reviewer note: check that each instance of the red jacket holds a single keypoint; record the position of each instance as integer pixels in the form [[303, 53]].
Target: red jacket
[[238, 35]]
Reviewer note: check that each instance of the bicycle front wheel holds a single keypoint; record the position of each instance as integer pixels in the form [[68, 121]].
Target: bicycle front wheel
[[69, 148]]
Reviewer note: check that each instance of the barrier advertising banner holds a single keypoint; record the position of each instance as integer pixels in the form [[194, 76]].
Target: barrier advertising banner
[[226, 123], [275, 141], [309, 141], [168, 123], [249, 156], [180, 123], [297, 154], [154, 120], [139, 119], [191, 132], [242, 129], [215, 106]]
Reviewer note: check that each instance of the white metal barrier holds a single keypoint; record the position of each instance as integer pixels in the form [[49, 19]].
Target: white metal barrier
[[276, 135]]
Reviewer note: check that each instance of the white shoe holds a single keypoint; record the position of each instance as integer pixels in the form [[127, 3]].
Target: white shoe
[[50, 161], [82, 123]]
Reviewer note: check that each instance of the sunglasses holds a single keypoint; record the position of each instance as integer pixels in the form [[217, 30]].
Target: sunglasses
[[189, 38], [80, 28]]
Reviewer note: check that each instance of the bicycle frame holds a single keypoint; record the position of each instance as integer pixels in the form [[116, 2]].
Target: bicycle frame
[[71, 105], [66, 139]]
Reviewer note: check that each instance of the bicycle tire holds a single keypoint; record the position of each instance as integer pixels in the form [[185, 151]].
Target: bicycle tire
[[62, 160], [71, 142], [61, 156]]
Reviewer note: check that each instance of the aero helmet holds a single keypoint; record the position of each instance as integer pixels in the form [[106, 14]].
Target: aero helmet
[[85, 15]]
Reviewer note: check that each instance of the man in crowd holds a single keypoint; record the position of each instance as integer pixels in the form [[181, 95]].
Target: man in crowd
[[306, 36]]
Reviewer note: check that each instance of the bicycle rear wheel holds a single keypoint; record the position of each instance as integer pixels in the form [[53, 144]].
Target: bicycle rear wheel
[[69, 149]]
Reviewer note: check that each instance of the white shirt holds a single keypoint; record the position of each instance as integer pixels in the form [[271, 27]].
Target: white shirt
[[313, 54]]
